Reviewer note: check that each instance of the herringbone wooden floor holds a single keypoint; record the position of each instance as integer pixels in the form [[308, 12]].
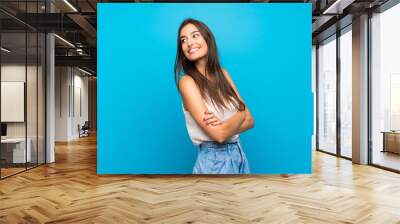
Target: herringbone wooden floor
[[69, 191]]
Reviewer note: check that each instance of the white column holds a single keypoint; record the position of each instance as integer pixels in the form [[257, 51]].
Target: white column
[[50, 93], [360, 90]]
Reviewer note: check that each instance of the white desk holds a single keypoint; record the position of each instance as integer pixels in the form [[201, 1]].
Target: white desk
[[18, 145]]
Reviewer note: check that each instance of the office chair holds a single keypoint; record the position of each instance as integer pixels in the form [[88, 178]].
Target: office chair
[[84, 130]]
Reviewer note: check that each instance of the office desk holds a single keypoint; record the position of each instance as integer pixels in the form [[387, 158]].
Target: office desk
[[13, 150], [391, 141]]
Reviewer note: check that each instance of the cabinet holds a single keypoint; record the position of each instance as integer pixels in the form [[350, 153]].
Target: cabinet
[[391, 141]]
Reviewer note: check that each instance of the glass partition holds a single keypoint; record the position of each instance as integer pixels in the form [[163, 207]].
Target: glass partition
[[14, 153], [32, 95], [22, 77], [41, 87]]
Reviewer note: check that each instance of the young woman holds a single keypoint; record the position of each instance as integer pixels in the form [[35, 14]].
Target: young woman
[[214, 111]]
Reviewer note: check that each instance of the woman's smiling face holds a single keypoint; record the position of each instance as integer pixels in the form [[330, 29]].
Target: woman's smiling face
[[194, 46]]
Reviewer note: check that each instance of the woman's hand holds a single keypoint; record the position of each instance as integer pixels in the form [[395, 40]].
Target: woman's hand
[[211, 119]]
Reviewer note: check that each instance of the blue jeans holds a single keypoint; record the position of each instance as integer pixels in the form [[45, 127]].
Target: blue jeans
[[225, 158]]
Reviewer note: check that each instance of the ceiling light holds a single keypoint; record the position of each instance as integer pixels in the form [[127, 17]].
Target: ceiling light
[[65, 41], [337, 7], [329, 9], [70, 5], [5, 50], [84, 71]]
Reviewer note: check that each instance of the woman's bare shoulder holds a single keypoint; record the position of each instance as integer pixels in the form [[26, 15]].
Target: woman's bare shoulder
[[187, 86], [186, 81]]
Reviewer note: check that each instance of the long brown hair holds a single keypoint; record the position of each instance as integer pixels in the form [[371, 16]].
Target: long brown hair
[[218, 90]]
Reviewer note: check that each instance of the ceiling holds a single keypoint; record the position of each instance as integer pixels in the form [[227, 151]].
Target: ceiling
[[76, 22]]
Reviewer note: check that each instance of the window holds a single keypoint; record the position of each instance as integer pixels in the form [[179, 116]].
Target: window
[[385, 88], [346, 92], [327, 95]]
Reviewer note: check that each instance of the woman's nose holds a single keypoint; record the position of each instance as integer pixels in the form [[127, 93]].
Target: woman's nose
[[190, 42]]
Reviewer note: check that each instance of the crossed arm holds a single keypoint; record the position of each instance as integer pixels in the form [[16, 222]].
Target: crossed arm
[[194, 103], [248, 123]]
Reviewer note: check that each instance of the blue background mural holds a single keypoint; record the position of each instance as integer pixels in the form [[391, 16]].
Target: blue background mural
[[266, 48]]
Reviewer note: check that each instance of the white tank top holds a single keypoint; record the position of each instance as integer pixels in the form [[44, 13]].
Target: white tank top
[[196, 133]]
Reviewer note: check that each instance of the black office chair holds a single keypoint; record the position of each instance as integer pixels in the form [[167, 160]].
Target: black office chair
[[84, 130]]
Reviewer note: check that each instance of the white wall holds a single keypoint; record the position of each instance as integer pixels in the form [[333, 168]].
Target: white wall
[[62, 81], [15, 72], [71, 102], [9, 73], [81, 103]]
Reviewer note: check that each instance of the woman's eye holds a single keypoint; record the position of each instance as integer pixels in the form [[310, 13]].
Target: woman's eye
[[195, 35], [183, 40]]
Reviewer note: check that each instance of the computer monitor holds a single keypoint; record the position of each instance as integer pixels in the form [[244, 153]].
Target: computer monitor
[[3, 129]]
